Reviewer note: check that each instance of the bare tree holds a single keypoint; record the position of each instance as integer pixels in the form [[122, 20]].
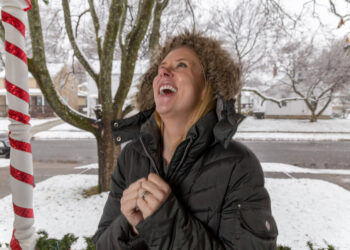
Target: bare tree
[[110, 34], [312, 74], [245, 30]]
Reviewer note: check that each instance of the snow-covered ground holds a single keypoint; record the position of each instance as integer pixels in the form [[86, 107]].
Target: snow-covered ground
[[293, 130], [251, 124], [4, 163], [64, 131], [304, 209]]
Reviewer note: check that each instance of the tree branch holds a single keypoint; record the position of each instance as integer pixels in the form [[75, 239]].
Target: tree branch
[[96, 26], [155, 34], [78, 22], [122, 24], [266, 98], [188, 3], [106, 62], [132, 43], [37, 66], [127, 110], [68, 23], [2, 32], [325, 106]]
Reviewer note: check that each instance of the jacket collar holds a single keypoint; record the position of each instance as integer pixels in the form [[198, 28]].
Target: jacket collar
[[143, 124]]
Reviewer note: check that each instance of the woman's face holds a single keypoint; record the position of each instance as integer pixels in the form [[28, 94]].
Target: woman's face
[[178, 86]]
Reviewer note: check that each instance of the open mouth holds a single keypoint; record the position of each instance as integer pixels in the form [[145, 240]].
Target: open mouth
[[167, 90]]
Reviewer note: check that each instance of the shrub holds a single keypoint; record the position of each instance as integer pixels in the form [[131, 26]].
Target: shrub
[[46, 243]]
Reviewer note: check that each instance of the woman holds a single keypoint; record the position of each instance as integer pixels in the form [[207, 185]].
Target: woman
[[183, 183]]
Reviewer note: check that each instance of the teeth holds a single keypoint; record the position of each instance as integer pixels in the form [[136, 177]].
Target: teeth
[[168, 87]]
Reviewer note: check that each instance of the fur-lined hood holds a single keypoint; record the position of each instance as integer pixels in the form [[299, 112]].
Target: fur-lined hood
[[219, 68]]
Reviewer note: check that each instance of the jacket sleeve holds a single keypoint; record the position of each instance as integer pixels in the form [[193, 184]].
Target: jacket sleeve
[[114, 231], [245, 218]]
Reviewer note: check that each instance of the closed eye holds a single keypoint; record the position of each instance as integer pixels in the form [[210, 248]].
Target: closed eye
[[181, 64]]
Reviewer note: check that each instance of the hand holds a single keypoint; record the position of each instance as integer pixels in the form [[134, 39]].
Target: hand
[[128, 203], [157, 191]]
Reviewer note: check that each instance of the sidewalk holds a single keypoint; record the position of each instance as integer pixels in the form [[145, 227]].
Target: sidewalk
[[339, 177]]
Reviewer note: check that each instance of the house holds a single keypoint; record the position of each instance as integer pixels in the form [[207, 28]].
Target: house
[[73, 93], [38, 106], [290, 109], [65, 84], [92, 92]]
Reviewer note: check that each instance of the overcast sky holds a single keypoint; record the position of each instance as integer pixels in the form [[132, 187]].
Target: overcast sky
[[294, 7]]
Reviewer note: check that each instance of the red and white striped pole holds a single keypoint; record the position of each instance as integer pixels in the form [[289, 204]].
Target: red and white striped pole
[[14, 20]]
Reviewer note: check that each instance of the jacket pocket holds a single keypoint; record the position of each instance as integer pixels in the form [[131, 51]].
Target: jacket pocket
[[259, 222]]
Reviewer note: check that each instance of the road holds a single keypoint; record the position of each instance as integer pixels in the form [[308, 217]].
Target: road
[[54, 157], [331, 155], [78, 152]]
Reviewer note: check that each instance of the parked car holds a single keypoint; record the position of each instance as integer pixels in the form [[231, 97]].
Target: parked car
[[4, 146]]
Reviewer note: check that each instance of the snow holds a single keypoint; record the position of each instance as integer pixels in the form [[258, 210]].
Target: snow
[[304, 209], [64, 131], [60, 208], [286, 125], [310, 210], [4, 163], [251, 136], [90, 166], [4, 122], [293, 130], [285, 168]]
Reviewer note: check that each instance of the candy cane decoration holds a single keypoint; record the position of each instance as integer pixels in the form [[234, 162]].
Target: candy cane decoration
[[21, 164]]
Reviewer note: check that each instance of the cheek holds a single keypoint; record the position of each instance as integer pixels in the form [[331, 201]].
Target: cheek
[[154, 85]]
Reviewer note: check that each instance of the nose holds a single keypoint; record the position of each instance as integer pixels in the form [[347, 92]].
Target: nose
[[165, 71]]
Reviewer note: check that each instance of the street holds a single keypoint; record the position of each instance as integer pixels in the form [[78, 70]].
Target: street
[[331, 155], [56, 157]]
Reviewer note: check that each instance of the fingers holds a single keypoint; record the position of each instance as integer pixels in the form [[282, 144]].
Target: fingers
[[158, 181], [152, 188], [128, 206], [134, 186], [148, 204]]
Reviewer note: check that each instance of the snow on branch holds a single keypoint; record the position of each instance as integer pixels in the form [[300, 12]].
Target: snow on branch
[[272, 99]]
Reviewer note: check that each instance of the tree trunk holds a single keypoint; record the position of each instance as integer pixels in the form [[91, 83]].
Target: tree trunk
[[239, 103], [313, 116], [107, 153]]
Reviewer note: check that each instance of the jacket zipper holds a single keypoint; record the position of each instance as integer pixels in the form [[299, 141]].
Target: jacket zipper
[[149, 156], [183, 156]]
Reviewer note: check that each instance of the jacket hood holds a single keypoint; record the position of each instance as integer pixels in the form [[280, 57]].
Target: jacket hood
[[220, 71], [219, 68]]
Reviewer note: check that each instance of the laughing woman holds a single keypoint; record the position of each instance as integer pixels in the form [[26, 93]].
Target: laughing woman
[[182, 182]]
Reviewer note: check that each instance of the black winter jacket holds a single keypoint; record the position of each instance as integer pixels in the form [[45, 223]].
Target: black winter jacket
[[218, 198]]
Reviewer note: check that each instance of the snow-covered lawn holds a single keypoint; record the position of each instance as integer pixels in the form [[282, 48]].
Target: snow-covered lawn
[[64, 131], [4, 163], [293, 130], [305, 209], [251, 124]]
